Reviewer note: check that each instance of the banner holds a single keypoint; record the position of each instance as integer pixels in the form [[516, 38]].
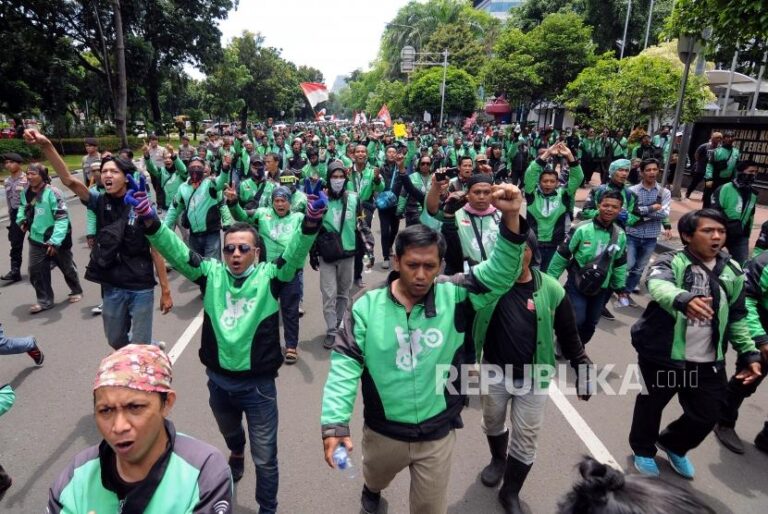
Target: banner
[[315, 92], [384, 115], [399, 130], [427, 117]]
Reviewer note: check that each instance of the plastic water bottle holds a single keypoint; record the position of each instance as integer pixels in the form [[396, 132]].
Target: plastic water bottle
[[343, 462], [367, 268]]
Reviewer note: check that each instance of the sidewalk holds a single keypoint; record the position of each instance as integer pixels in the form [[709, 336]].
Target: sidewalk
[[680, 207]]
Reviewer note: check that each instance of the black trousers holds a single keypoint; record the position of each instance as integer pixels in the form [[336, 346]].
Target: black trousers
[[359, 245], [16, 240], [390, 225], [700, 389], [735, 394], [716, 182], [40, 272]]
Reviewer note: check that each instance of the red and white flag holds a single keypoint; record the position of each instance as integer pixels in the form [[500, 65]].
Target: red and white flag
[[315, 92], [384, 115]]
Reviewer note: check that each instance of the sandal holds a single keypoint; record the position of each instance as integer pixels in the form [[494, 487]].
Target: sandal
[[37, 308], [291, 356]]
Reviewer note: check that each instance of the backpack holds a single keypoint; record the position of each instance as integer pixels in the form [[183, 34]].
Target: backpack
[[590, 277]]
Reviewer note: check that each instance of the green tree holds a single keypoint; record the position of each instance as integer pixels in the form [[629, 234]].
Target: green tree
[[195, 118], [465, 50], [733, 23], [460, 91], [512, 71], [531, 13], [614, 93], [392, 93], [224, 86]]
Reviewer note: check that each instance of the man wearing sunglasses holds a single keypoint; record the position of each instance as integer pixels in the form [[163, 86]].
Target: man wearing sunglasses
[[241, 340]]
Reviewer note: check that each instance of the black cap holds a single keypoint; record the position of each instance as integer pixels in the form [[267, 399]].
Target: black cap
[[13, 156], [91, 141], [333, 166]]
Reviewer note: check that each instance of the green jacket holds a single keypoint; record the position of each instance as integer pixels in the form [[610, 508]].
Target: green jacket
[[320, 170], [90, 216], [738, 206], [628, 206], [401, 358], [488, 229], [723, 163], [548, 214], [332, 219], [548, 293], [191, 477], [660, 334], [240, 327], [170, 180], [202, 209], [362, 183], [756, 298], [619, 147], [584, 243], [452, 156], [274, 230], [46, 216], [252, 194]]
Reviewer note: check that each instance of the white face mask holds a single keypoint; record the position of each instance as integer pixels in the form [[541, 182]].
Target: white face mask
[[337, 184]]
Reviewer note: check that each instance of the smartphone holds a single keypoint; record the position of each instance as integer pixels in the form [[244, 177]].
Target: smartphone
[[452, 172], [440, 176]]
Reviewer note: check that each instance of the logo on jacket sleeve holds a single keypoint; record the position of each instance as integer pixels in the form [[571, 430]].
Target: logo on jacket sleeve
[[410, 345]]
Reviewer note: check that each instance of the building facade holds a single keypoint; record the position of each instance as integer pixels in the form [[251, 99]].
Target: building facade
[[498, 8]]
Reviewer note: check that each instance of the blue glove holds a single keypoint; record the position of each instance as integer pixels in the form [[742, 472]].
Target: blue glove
[[317, 200], [137, 198], [622, 217]]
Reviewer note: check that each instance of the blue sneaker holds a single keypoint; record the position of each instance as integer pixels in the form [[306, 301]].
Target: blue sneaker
[[680, 463], [646, 466]]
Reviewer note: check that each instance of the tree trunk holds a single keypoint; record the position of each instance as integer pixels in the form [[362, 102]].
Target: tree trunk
[[153, 92], [121, 105], [243, 118]]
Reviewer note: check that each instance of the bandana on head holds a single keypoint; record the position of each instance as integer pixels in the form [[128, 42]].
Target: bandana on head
[[479, 178], [281, 192], [141, 367], [619, 164]]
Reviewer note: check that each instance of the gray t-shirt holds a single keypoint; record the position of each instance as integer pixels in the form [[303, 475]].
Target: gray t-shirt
[[698, 334]]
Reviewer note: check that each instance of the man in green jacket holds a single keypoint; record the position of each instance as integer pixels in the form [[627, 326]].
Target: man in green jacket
[[43, 213], [737, 201], [403, 340], [549, 205], [240, 340], [698, 306], [514, 340], [721, 166], [142, 464], [171, 175], [599, 244]]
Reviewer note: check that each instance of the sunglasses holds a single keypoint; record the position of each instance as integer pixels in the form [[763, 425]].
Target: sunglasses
[[243, 247], [424, 163]]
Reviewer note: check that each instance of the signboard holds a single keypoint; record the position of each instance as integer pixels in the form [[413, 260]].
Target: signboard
[[750, 137]]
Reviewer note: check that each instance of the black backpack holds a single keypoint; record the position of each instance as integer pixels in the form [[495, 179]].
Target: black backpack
[[590, 277]]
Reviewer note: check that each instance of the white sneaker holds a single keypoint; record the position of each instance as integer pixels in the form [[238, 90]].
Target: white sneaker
[[97, 310], [385, 264]]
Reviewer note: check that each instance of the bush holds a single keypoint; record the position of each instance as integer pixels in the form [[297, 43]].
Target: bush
[[20, 147], [75, 145]]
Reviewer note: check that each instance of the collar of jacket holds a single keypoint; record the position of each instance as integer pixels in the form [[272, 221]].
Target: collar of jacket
[[600, 224], [429, 299], [141, 495]]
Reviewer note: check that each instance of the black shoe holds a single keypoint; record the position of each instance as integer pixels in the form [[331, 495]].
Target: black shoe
[[328, 341], [761, 440], [515, 474], [12, 276], [5, 482], [369, 501], [237, 467], [493, 472], [729, 438], [607, 314], [36, 355]]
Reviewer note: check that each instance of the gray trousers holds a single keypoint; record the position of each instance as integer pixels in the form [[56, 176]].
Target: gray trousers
[[526, 416], [40, 272], [335, 283]]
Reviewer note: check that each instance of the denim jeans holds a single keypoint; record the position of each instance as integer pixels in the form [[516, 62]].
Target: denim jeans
[[586, 308], [738, 247], [290, 296], [11, 345], [125, 311], [206, 244], [639, 252], [256, 397], [546, 252], [526, 415]]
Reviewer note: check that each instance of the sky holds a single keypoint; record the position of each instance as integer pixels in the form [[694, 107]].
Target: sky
[[334, 36]]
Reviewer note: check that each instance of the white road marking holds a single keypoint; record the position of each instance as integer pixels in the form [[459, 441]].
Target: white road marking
[[186, 337], [585, 433]]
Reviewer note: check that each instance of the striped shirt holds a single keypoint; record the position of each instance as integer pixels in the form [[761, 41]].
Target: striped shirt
[[649, 226]]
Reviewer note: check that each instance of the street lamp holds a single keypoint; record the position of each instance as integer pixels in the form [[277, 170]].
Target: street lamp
[[408, 62], [626, 26]]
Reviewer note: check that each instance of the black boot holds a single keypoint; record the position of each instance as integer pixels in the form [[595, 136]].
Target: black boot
[[492, 473], [761, 441], [13, 276], [514, 477]]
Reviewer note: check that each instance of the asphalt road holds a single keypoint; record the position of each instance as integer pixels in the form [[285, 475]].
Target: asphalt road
[[52, 419]]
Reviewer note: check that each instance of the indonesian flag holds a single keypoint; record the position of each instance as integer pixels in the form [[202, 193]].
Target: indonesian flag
[[384, 115], [315, 92], [320, 116]]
